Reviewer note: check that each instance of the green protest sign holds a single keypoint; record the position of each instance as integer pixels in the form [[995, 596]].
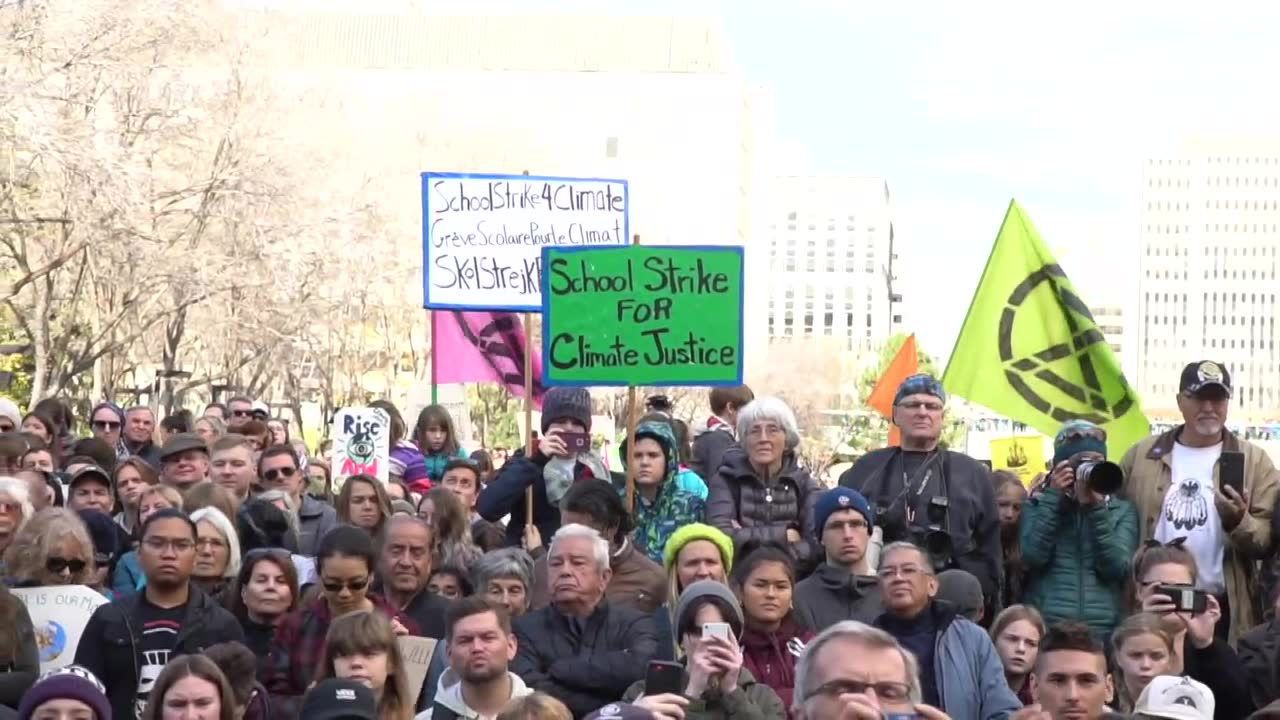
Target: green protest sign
[[642, 315]]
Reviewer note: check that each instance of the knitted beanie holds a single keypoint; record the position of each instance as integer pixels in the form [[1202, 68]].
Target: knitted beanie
[[707, 589], [698, 531], [69, 683], [566, 403]]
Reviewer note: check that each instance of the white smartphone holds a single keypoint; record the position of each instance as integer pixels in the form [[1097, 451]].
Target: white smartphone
[[716, 629]]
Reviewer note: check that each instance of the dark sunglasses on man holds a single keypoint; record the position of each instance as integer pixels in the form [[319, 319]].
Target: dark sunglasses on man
[[273, 474]]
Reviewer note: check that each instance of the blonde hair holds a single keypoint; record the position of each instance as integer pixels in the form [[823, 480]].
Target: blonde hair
[[171, 496], [535, 706], [365, 632], [26, 556], [1136, 625]]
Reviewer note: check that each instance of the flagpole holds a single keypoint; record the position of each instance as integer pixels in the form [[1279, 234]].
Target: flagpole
[[632, 417]]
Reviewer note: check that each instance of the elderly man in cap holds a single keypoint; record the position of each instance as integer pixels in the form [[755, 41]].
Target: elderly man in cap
[[1176, 481], [843, 587], [184, 461], [936, 498]]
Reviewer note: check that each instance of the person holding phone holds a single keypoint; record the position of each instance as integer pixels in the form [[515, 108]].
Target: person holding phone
[[1159, 573], [711, 683], [1201, 482], [554, 466]]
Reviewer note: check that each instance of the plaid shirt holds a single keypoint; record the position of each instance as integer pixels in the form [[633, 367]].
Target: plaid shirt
[[298, 648]]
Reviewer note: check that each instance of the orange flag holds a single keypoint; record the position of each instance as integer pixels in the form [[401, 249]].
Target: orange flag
[[905, 364]]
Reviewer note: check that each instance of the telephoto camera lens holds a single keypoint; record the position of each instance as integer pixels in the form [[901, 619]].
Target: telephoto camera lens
[[1100, 476]]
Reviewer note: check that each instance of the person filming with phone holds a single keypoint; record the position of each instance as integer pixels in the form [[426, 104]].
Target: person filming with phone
[[711, 682], [1077, 538], [563, 457], [1201, 482]]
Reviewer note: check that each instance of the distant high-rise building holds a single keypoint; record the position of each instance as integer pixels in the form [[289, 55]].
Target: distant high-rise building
[[1209, 275], [832, 261]]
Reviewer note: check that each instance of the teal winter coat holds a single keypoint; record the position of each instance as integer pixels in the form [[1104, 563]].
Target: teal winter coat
[[1077, 559]]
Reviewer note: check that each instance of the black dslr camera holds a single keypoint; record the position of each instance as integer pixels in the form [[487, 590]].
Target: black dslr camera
[[935, 535]]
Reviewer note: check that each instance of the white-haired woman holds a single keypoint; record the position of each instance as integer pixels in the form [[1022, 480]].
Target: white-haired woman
[[761, 492], [217, 551], [15, 508]]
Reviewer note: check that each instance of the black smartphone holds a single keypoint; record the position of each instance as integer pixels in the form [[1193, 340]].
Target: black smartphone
[[1185, 597], [664, 677], [1231, 470], [576, 442]]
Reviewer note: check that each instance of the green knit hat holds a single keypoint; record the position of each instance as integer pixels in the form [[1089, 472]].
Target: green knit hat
[[698, 531]]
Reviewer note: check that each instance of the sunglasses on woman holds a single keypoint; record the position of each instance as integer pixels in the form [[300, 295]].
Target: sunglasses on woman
[[57, 565], [335, 586]]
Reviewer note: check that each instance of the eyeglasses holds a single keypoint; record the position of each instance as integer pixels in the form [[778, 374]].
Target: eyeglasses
[[764, 430], [211, 543], [932, 407], [57, 565], [105, 425], [906, 572], [335, 586], [180, 545], [241, 413], [891, 691], [273, 474]]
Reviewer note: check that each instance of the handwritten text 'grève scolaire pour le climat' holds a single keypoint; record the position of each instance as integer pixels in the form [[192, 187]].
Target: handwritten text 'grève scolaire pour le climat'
[[465, 220]]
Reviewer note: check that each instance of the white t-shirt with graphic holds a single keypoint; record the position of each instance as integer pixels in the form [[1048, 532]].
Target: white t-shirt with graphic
[[1189, 512]]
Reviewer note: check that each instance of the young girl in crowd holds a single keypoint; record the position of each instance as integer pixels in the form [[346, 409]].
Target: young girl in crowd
[[407, 462], [130, 477], [362, 646], [1198, 652], [191, 687], [772, 641], [1016, 633], [1142, 650], [435, 436], [1010, 497], [451, 529], [364, 503]]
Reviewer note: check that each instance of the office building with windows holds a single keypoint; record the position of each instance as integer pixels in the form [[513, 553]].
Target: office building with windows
[[831, 261], [1208, 279]]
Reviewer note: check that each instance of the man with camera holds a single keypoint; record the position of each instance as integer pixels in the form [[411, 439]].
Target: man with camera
[[940, 500], [1077, 538], [1201, 482]]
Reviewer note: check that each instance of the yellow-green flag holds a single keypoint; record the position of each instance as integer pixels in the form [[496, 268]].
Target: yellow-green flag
[[1030, 349]]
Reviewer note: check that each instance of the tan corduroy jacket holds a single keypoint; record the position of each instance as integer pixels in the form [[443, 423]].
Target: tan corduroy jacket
[[1148, 470]]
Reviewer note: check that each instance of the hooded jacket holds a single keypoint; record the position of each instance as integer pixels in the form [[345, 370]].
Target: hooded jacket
[[673, 507], [832, 594], [746, 507], [1077, 558], [315, 520], [768, 657], [109, 644], [450, 705]]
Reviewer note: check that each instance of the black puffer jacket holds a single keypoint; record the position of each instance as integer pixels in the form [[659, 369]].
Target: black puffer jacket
[[832, 594], [585, 669], [109, 645], [740, 503]]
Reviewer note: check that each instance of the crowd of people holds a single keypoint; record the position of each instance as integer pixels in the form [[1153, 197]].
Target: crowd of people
[[725, 581]]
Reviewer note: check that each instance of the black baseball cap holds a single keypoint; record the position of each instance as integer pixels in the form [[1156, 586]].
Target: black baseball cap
[[335, 699], [1202, 374], [90, 472]]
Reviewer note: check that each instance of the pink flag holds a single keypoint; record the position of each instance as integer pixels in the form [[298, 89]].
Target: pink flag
[[482, 347]]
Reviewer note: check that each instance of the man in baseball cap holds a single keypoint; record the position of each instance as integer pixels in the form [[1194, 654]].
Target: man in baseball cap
[[1201, 482]]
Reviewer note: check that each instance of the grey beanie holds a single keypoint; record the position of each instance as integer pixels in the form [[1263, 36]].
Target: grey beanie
[[962, 589], [566, 403], [708, 589]]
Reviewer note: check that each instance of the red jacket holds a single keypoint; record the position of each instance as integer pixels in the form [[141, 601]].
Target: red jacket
[[770, 662]]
